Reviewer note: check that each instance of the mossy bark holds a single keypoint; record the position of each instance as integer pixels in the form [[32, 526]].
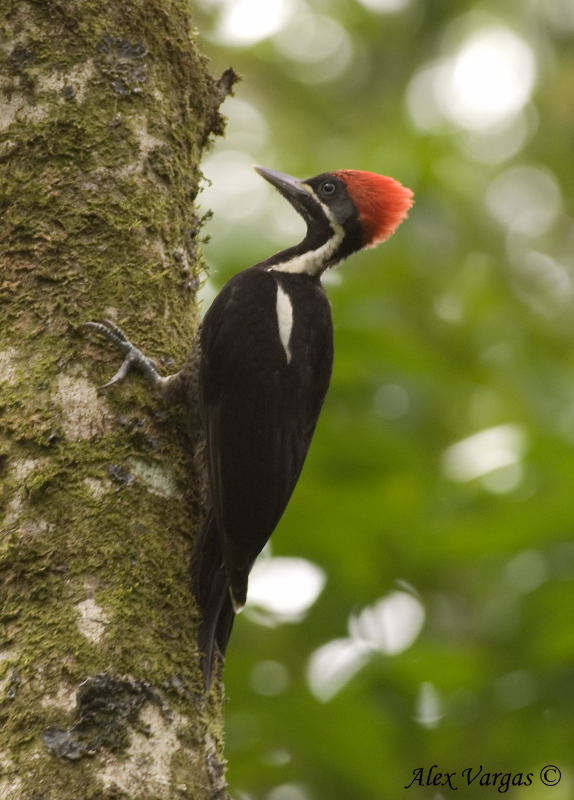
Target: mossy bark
[[105, 109]]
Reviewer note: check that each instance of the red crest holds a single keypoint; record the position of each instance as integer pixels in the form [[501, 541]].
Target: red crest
[[382, 202]]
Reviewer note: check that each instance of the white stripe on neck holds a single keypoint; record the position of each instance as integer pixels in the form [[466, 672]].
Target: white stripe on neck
[[313, 261], [284, 320]]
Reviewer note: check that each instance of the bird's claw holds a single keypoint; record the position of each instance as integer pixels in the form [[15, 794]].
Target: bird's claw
[[133, 356]]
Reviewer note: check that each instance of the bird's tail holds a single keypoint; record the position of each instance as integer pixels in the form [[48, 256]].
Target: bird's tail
[[211, 589]]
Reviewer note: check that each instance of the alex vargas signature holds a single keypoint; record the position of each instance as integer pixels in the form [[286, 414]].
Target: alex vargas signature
[[477, 776]]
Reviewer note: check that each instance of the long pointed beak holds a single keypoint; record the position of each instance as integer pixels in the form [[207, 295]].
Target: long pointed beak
[[291, 188]]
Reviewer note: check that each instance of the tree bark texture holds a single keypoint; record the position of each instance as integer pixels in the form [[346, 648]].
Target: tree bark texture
[[105, 109]]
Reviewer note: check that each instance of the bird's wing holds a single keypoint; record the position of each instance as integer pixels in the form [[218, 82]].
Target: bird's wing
[[259, 409]]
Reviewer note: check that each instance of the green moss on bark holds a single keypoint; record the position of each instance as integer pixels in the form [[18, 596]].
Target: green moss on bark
[[105, 111]]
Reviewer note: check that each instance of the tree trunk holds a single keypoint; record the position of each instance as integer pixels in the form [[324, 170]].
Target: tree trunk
[[105, 108]]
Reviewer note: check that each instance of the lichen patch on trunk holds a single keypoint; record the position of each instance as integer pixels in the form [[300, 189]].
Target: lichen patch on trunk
[[85, 413], [14, 509], [61, 86], [146, 764], [92, 620], [9, 789], [9, 653], [97, 487], [8, 365], [22, 467], [64, 699], [156, 477]]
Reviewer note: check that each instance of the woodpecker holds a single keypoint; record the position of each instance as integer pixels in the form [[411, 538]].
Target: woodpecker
[[266, 354]]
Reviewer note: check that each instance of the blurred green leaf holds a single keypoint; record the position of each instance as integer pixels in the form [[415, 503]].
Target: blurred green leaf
[[461, 323]]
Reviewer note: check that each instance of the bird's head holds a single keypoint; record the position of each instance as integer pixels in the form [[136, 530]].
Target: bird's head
[[345, 211]]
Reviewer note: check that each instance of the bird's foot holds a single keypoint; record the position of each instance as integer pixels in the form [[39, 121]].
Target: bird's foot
[[134, 358]]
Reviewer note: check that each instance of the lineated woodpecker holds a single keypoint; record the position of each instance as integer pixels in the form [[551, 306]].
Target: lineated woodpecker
[[266, 352]]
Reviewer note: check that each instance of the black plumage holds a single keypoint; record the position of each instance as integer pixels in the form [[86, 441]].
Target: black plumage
[[259, 408], [266, 353]]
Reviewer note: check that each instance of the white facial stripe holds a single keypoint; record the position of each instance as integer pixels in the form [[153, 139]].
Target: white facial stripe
[[313, 262], [284, 320]]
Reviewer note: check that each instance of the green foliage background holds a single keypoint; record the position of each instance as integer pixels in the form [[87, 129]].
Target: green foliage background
[[470, 324]]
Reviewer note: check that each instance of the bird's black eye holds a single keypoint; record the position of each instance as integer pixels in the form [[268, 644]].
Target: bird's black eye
[[328, 189]]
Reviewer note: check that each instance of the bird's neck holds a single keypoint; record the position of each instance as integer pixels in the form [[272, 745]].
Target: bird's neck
[[321, 248]]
